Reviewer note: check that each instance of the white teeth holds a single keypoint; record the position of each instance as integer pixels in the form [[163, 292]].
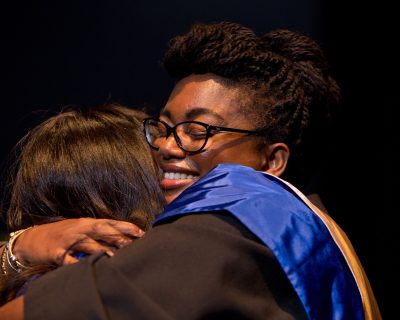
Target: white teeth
[[177, 176]]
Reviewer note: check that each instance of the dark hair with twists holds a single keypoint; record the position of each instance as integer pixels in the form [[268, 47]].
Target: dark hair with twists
[[283, 76]]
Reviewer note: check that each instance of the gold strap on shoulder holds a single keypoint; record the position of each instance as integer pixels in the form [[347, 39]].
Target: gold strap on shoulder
[[370, 305]]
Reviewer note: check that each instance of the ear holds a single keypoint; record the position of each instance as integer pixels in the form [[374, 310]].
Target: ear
[[277, 156]]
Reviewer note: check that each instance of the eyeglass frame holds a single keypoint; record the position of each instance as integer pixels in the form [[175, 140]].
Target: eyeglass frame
[[208, 128]]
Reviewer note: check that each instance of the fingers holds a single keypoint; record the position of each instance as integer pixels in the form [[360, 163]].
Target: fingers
[[55, 242], [69, 259], [110, 234], [84, 247], [124, 227], [90, 246]]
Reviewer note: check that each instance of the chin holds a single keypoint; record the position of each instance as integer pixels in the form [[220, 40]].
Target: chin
[[170, 195]]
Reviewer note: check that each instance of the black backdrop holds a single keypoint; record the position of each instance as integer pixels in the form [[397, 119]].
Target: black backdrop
[[84, 53]]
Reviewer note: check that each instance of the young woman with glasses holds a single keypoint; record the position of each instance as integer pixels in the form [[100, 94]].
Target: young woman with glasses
[[236, 241]]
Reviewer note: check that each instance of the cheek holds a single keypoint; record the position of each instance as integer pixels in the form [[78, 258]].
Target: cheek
[[245, 155], [205, 161]]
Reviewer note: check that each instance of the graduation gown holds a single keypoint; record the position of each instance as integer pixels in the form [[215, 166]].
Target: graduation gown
[[238, 244]]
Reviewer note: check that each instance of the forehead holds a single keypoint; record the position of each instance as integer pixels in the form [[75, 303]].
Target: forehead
[[198, 95]]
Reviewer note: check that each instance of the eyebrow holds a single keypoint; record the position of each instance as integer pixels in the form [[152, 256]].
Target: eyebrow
[[193, 113]]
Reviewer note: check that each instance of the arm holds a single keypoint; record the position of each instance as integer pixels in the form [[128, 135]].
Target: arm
[[196, 266], [54, 243], [13, 310], [44, 247]]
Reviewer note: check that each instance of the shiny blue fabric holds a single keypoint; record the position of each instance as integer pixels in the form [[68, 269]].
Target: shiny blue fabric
[[283, 222]]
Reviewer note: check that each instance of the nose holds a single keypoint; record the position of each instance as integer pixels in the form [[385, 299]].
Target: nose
[[168, 148]]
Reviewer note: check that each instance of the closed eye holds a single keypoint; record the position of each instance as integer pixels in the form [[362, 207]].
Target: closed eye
[[197, 134]]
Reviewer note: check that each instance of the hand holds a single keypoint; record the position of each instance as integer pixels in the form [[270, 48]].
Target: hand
[[54, 243]]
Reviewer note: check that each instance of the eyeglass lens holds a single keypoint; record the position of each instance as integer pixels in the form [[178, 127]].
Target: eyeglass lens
[[190, 136]]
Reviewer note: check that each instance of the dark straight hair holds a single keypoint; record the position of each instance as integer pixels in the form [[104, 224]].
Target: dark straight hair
[[85, 164], [82, 164]]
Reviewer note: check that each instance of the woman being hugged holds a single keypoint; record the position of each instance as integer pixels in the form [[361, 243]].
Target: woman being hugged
[[236, 241], [76, 165]]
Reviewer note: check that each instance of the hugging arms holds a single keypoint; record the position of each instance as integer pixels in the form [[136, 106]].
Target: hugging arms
[[259, 102]]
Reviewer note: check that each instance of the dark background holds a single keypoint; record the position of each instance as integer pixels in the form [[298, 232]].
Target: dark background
[[83, 53]]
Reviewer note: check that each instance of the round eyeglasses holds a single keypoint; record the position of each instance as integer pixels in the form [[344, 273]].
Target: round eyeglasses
[[190, 136]]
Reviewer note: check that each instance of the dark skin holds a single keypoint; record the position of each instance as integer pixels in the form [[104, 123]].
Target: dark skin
[[197, 97], [114, 234], [13, 310], [287, 72], [74, 235], [206, 99]]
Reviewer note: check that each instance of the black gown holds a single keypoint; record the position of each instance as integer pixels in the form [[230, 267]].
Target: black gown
[[199, 266]]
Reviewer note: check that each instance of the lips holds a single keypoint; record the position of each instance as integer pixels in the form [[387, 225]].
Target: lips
[[174, 177]]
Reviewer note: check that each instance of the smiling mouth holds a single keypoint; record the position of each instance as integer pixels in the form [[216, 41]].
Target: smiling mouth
[[177, 176], [174, 180]]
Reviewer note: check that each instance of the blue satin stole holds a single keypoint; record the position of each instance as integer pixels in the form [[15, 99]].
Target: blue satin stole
[[298, 238]]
